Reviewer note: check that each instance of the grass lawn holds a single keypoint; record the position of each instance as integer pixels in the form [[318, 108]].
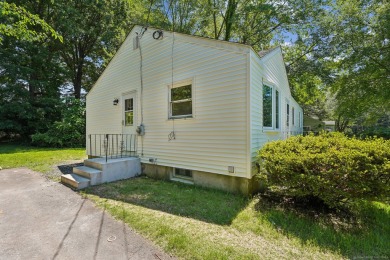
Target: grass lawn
[[195, 223], [37, 159]]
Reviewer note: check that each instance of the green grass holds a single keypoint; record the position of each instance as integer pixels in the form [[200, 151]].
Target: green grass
[[37, 159], [196, 223]]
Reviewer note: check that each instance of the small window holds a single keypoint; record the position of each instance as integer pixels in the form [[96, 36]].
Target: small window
[[293, 115], [271, 107], [181, 101], [129, 112], [182, 173], [288, 115]]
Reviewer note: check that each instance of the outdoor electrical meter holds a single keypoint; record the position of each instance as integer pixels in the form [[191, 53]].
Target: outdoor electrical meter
[[140, 130]]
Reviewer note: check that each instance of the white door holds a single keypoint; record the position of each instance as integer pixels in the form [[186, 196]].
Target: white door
[[129, 123]]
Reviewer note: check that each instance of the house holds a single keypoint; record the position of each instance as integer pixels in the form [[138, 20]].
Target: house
[[195, 109], [330, 126], [315, 125]]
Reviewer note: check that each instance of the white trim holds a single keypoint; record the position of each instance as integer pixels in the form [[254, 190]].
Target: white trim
[[129, 94], [248, 116]]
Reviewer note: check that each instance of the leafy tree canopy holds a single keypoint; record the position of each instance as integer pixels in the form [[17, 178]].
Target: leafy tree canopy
[[16, 21]]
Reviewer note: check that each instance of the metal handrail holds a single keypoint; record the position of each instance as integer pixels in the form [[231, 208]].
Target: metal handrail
[[112, 146]]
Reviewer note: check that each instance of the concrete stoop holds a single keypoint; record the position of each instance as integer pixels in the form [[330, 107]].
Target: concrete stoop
[[96, 171]]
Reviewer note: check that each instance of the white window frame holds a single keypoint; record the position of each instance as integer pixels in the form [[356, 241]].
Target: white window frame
[[178, 85], [274, 89]]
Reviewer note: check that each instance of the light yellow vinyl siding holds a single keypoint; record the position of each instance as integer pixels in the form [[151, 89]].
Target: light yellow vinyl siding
[[271, 70], [211, 141]]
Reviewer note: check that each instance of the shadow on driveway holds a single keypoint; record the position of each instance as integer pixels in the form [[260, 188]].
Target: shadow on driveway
[[41, 219]]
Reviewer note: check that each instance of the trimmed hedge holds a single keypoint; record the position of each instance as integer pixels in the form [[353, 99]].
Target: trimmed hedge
[[332, 167]]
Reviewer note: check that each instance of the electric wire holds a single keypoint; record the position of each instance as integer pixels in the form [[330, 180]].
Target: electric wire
[[172, 135], [143, 30]]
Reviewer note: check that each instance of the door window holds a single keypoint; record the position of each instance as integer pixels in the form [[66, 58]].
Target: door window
[[129, 112]]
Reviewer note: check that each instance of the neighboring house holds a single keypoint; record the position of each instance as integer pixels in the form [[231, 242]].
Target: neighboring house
[[205, 106], [329, 126], [313, 124]]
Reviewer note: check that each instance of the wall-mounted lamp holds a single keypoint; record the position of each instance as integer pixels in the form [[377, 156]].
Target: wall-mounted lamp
[[115, 102]]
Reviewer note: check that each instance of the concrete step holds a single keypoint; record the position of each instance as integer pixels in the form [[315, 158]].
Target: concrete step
[[75, 181], [96, 163], [93, 174]]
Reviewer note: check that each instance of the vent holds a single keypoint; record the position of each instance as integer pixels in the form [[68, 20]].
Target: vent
[[231, 169], [135, 42]]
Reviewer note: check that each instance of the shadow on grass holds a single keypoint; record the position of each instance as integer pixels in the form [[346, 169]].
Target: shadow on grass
[[68, 168], [175, 198], [20, 148], [363, 235], [367, 235]]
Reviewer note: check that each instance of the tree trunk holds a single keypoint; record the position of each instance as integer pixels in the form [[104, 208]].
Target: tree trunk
[[229, 18], [78, 78], [341, 124]]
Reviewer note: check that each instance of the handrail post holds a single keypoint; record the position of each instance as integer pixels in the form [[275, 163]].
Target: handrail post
[[106, 146], [90, 144]]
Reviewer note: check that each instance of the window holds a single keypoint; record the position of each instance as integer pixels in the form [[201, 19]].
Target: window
[[288, 116], [271, 107], [182, 173], [180, 101], [293, 115], [267, 106], [129, 112], [299, 119]]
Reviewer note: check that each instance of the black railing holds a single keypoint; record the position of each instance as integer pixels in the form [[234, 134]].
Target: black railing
[[112, 146]]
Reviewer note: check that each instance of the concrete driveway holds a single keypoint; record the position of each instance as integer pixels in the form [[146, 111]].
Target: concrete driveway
[[41, 219]]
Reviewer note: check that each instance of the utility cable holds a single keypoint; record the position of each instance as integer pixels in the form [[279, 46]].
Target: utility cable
[[172, 135]]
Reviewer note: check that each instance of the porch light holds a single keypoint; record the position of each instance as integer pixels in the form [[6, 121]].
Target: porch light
[[115, 102]]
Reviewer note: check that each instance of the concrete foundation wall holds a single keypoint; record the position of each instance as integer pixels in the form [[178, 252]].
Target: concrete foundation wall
[[205, 179]]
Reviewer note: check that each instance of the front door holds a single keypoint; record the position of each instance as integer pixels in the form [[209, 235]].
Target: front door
[[129, 122]]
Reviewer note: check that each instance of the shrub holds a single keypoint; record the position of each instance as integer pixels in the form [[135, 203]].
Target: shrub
[[69, 132], [332, 167]]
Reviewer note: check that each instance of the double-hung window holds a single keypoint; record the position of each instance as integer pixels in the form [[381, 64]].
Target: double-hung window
[[271, 107], [180, 99]]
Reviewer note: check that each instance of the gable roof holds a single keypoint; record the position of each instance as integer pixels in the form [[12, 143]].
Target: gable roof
[[266, 52], [261, 54], [236, 46]]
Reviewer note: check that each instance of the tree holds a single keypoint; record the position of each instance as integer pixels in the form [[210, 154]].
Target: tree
[[29, 74], [16, 21], [343, 52], [92, 31], [363, 73]]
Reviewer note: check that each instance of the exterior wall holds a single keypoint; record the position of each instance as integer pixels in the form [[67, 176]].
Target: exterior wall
[[233, 184], [270, 70], [217, 135]]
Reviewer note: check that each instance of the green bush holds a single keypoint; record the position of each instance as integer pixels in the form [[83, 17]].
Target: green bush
[[69, 132], [332, 167]]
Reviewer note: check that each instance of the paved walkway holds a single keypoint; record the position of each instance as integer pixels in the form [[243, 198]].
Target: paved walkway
[[41, 219]]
